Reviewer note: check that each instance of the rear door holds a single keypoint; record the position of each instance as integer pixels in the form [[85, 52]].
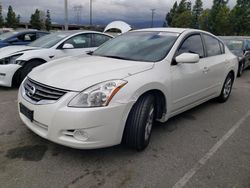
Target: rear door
[[214, 64]]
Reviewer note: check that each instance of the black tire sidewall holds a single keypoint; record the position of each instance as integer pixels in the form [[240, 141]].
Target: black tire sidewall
[[222, 97], [134, 133], [24, 71]]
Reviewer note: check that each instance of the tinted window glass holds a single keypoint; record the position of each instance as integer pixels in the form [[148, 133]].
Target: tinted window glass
[[50, 40], [81, 41], [41, 35], [28, 37], [100, 39], [212, 45], [192, 44]]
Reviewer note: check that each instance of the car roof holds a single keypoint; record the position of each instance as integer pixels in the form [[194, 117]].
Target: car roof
[[29, 31], [165, 29], [174, 30]]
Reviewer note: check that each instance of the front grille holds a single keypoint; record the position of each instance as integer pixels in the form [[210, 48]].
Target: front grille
[[39, 92]]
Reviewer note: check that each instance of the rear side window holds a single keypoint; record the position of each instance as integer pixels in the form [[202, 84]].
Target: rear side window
[[213, 46], [41, 35], [99, 39], [80, 41], [192, 44]]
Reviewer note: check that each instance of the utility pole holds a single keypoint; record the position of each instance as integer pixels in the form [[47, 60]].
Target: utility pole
[[90, 12], [66, 18], [152, 20], [78, 12]]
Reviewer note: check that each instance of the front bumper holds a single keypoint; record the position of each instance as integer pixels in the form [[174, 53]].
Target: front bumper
[[57, 122], [6, 74]]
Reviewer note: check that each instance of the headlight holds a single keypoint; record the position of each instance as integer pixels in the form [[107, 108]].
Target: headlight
[[98, 95], [10, 60]]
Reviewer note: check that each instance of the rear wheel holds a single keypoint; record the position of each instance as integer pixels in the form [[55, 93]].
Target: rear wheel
[[139, 124], [227, 88], [24, 71]]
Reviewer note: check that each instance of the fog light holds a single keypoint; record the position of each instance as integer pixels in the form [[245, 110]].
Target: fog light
[[80, 134]]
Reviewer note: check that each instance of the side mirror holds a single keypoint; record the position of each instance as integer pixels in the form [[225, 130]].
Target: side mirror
[[187, 58], [67, 46], [12, 40]]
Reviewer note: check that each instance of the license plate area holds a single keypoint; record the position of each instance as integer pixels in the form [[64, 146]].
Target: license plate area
[[26, 112]]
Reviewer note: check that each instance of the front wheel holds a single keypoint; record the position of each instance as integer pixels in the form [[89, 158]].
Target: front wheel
[[227, 88], [241, 69], [139, 124], [24, 71]]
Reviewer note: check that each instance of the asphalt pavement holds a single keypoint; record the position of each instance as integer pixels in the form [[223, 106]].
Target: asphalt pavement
[[208, 146]]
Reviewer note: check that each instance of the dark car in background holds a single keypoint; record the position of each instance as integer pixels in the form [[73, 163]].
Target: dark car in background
[[240, 46], [23, 37]]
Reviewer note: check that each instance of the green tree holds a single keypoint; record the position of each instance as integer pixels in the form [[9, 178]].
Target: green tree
[[48, 21], [222, 23], [1, 17], [218, 9], [183, 20], [204, 20], [182, 7], [11, 19], [170, 15], [240, 18], [183, 16], [196, 13], [35, 20]]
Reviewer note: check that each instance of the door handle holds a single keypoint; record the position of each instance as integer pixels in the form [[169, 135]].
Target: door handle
[[205, 70]]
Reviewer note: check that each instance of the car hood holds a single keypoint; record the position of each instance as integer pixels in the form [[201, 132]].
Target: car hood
[[81, 72], [11, 50]]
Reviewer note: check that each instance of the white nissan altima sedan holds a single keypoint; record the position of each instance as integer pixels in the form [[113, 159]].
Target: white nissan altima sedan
[[17, 61], [116, 94]]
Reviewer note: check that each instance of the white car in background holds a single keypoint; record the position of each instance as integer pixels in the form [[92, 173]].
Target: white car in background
[[117, 93], [17, 61]]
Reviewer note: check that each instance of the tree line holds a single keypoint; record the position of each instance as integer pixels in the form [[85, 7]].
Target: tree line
[[38, 20], [219, 19]]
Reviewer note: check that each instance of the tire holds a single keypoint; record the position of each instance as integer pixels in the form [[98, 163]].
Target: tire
[[24, 71], [241, 69], [227, 88], [139, 124]]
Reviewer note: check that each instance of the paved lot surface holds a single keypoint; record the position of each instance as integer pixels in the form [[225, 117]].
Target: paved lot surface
[[208, 146]]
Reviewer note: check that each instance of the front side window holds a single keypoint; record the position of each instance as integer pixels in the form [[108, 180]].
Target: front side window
[[50, 40], [144, 46], [192, 44], [80, 41], [212, 45]]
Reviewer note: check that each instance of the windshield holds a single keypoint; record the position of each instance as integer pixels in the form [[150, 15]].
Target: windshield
[[234, 44], [7, 35], [49, 41], [139, 46]]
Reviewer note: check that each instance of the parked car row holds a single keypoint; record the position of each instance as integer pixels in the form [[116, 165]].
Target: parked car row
[[17, 61], [115, 94], [240, 46]]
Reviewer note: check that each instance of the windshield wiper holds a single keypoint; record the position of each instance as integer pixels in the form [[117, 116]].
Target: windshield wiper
[[116, 57]]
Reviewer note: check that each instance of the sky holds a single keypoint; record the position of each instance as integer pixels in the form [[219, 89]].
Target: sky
[[104, 11]]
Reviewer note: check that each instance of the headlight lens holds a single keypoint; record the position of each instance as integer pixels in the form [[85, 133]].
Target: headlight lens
[[98, 95], [10, 60]]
